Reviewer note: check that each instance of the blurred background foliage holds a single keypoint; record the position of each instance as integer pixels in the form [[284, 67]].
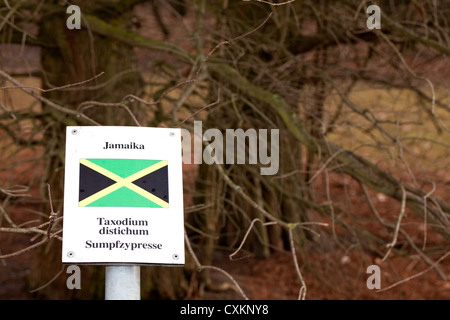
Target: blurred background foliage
[[357, 109]]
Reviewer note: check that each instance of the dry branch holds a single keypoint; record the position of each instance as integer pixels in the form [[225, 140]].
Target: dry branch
[[344, 161]]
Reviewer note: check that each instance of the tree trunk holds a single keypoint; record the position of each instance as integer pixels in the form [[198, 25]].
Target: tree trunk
[[69, 57]]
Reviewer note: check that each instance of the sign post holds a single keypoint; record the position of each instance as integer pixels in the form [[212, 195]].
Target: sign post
[[123, 202], [122, 283]]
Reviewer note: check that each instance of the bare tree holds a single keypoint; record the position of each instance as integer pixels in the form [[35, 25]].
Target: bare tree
[[296, 66]]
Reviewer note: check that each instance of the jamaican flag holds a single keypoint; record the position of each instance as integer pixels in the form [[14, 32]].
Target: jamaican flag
[[124, 183]]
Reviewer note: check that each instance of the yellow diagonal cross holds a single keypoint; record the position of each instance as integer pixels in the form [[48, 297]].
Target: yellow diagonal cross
[[123, 182]]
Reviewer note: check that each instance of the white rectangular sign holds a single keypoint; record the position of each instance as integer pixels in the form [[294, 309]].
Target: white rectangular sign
[[123, 196]]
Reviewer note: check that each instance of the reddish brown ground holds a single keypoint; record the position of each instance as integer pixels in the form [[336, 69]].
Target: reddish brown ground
[[333, 272], [329, 271]]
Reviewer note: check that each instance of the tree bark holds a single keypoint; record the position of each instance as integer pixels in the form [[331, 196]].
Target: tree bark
[[73, 56]]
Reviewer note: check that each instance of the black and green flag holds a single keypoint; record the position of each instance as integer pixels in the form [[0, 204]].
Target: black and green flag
[[124, 183]]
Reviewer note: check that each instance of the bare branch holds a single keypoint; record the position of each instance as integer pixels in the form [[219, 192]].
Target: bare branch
[[47, 102], [53, 215], [49, 282], [247, 233], [201, 267], [391, 245], [200, 110], [302, 292], [416, 275], [271, 3], [71, 85], [33, 246]]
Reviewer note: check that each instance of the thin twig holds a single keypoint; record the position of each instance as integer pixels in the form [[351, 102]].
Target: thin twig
[[302, 291], [39, 97], [230, 41], [201, 267], [391, 245], [247, 233], [202, 64], [53, 214], [408, 238], [16, 191], [55, 88], [33, 230], [247, 198], [200, 110], [425, 214], [236, 285], [271, 3], [33, 246], [49, 282], [90, 104], [416, 275]]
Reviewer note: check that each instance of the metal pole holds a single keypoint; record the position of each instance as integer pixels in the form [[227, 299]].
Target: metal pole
[[123, 283]]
